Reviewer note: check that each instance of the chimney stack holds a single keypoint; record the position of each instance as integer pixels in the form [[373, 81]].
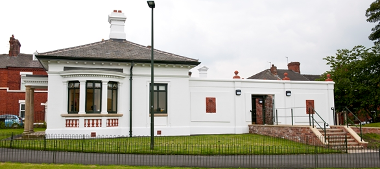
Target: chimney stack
[[273, 70], [295, 66], [14, 46], [203, 71], [117, 20]]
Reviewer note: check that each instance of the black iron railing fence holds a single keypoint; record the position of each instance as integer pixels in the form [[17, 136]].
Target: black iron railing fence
[[194, 151]]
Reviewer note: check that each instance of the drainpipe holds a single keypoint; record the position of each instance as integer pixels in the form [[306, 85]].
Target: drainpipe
[[130, 99]]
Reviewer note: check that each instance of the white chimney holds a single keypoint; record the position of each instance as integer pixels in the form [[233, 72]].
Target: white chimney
[[117, 20], [203, 71]]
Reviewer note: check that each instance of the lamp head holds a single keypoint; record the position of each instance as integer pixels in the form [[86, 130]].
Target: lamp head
[[151, 4]]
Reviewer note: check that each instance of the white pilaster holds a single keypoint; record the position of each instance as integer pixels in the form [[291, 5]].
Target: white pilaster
[[82, 97], [104, 97]]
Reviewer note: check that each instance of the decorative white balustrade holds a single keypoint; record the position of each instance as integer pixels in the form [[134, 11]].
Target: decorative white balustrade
[[72, 122], [92, 122], [112, 122]]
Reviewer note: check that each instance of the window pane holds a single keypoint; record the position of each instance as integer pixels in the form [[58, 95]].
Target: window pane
[[161, 87], [109, 100], [155, 105], [89, 85], [22, 106], [154, 87], [98, 85], [73, 100], [22, 113], [162, 102], [76, 85], [90, 100], [114, 99], [97, 98]]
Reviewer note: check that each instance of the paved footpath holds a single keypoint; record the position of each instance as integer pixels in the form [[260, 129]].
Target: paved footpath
[[350, 160]]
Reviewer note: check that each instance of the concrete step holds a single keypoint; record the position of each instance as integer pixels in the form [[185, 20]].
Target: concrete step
[[332, 130], [343, 144], [340, 140], [334, 133], [348, 147]]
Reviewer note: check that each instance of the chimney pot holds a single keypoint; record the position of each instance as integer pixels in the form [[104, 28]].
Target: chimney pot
[[119, 11], [114, 10]]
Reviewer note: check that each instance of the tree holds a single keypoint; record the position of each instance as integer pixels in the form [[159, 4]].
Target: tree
[[373, 15], [357, 80]]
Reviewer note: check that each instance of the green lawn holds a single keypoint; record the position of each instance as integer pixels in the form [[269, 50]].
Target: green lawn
[[372, 125], [372, 139], [5, 133], [195, 145], [70, 166]]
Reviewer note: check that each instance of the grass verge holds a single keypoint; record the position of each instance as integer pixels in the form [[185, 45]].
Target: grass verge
[[234, 144]]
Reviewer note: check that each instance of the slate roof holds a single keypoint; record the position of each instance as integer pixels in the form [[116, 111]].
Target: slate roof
[[267, 75], [312, 77], [116, 50], [21, 60]]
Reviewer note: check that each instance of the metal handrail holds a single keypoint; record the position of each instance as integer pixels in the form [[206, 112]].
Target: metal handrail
[[360, 123], [324, 122]]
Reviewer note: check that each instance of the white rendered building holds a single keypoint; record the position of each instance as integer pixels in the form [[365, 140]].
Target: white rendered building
[[102, 88]]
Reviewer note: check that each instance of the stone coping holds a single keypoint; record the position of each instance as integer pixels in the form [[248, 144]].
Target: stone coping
[[160, 115], [91, 115]]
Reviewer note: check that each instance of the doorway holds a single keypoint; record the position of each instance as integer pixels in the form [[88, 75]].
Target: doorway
[[262, 107]]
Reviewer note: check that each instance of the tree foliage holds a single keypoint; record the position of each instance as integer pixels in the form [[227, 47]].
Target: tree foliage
[[357, 80], [373, 15]]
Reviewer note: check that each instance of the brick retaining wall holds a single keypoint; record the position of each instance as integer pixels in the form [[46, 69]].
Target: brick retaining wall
[[303, 134], [366, 130]]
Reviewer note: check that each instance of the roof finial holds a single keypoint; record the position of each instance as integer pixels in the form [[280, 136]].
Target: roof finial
[[236, 75], [286, 76], [328, 78]]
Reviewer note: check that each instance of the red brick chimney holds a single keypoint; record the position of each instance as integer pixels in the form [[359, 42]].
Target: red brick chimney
[[273, 70], [14, 46], [295, 66]]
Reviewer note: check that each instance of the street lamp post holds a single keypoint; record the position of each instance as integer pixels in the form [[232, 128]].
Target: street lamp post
[[151, 5]]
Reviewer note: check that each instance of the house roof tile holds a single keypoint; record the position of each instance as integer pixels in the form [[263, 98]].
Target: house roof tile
[[115, 49], [21, 60]]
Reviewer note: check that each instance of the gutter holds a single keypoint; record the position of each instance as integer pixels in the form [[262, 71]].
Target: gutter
[[130, 99]]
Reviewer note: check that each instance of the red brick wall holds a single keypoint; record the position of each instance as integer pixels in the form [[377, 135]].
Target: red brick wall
[[13, 78], [302, 134], [9, 101], [366, 130]]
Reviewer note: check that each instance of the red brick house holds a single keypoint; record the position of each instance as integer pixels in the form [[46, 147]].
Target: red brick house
[[13, 67]]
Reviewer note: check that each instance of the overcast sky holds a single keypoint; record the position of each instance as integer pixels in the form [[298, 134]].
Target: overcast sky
[[225, 35]]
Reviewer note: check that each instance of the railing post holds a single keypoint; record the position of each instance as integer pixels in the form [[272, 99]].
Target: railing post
[[345, 141], [276, 117], [312, 116], [324, 129], [10, 146], [292, 114], [44, 142], [346, 118], [361, 134], [309, 117]]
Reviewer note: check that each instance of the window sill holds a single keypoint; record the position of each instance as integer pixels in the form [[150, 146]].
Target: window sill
[[160, 115], [91, 115]]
